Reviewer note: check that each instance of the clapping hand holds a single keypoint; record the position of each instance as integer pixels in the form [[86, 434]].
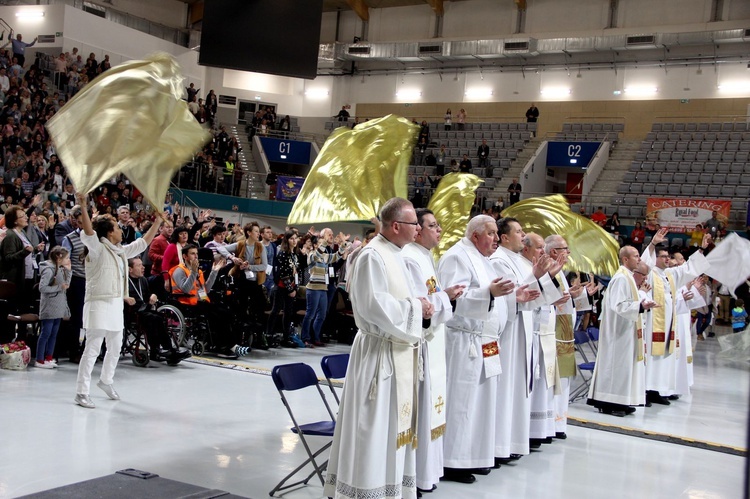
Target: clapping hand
[[648, 305], [555, 266], [501, 287], [454, 291], [524, 294], [541, 265], [563, 300]]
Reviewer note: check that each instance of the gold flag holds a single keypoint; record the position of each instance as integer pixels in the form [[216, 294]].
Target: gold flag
[[592, 249], [356, 172], [131, 120], [451, 203]]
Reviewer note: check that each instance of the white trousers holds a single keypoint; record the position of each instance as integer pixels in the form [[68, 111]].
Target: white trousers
[[94, 338]]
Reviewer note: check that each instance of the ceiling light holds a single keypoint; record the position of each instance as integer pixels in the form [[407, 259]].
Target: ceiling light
[[317, 93], [30, 14], [479, 93], [741, 87]]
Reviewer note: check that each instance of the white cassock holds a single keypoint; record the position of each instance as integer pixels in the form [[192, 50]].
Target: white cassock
[[368, 457], [661, 369], [684, 365], [619, 372], [513, 413], [472, 377], [432, 390]]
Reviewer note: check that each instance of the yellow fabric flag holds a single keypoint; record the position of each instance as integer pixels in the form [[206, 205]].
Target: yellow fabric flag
[[356, 172], [451, 203], [592, 249], [131, 120]]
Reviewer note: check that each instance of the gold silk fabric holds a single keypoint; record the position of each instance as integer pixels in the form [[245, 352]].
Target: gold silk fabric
[[356, 172], [592, 249], [132, 120], [451, 203]]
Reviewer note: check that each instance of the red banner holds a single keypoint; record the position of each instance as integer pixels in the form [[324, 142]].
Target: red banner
[[682, 215]]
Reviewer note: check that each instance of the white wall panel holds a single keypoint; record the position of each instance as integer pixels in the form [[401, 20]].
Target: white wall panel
[[401, 23], [635, 13], [479, 18], [543, 16]]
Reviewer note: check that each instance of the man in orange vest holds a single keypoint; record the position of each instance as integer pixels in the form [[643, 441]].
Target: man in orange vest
[[191, 288]]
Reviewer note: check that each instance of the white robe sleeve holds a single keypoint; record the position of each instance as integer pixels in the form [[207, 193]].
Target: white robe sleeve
[[695, 266], [376, 306], [443, 310], [620, 299], [474, 303]]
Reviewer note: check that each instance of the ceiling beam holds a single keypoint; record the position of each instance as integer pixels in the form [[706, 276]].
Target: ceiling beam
[[360, 8], [437, 6], [521, 4]]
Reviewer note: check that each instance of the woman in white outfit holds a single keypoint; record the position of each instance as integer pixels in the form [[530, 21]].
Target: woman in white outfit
[[106, 287]]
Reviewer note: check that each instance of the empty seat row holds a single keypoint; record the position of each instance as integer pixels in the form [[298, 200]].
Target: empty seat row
[[686, 189], [593, 127], [478, 136], [691, 166], [690, 178], [739, 126], [705, 145], [597, 136], [730, 156], [699, 136], [523, 127]]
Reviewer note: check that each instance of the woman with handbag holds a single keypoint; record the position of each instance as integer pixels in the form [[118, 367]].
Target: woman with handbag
[[54, 280]]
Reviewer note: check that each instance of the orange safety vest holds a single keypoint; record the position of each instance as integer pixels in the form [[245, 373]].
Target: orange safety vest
[[187, 298]]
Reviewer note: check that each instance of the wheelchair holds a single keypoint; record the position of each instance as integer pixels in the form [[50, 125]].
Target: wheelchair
[[135, 338]]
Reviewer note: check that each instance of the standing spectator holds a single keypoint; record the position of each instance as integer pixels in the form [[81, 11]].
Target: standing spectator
[[532, 114], [514, 190], [212, 103], [421, 150], [285, 126], [271, 249], [440, 161], [192, 93], [126, 223], [465, 166], [712, 224], [483, 153], [158, 247], [105, 64], [54, 280], [696, 235], [19, 47], [286, 281], [448, 118], [461, 119], [598, 217], [637, 236], [106, 286], [424, 132], [343, 114], [16, 252]]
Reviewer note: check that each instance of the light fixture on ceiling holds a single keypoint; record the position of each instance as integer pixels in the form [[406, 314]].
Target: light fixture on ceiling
[[409, 94], [479, 93], [317, 93]]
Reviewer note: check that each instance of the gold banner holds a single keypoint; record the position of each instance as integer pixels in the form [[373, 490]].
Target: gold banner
[[451, 203], [131, 119], [592, 249], [356, 172]]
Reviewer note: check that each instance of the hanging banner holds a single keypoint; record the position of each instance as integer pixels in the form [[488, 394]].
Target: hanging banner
[[287, 188], [682, 215]]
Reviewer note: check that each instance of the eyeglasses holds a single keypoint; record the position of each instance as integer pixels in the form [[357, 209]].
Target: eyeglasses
[[415, 224], [563, 249], [640, 273]]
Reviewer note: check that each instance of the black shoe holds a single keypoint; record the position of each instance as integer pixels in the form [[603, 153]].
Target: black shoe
[[654, 397], [613, 412], [547, 440], [226, 353], [535, 443], [711, 335], [480, 471], [458, 475], [426, 491], [630, 410], [561, 435], [648, 403], [674, 397], [177, 356], [288, 344]]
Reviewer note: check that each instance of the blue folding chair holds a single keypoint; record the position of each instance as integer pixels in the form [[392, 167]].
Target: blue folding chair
[[334, 367], [593, 333], [581, 390], [290, 377], [581, 338]]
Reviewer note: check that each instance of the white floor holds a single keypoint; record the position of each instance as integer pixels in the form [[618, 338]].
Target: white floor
[[227, 429]]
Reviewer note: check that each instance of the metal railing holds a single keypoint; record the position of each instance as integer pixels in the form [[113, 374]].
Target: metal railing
[[199, 176]]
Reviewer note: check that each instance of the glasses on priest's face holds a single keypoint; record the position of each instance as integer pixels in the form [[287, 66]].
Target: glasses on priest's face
[[415, 224]]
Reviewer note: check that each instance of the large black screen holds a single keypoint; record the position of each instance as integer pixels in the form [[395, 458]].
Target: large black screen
[[265, 36]]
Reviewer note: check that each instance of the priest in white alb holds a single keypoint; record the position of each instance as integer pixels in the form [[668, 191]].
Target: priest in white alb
[[662, 345], [513, 413], [373, 446], [431, 369], [618, 381], [471, 351]]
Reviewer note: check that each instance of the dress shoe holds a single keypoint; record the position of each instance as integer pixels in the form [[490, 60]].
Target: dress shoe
[[613, 412], [630, 410], [654, 397], [547, 440], [109, 390], [427, 491], [319, 343], [507, 460], [84, 401], [674, 397], [561, 435], [458, 475], [480, 471], [535, 443]]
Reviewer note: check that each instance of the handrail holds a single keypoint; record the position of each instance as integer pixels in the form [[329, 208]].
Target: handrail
[[441, 119]]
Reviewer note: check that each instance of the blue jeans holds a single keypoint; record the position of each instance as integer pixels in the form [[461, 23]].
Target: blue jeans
[[315, 313], [45, 345]]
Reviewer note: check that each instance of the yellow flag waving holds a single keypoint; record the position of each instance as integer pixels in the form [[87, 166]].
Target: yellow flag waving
[[129, 120], [356, 172], [451, 205], [592, 249]]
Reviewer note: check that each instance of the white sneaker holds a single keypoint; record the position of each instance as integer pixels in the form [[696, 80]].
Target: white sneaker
[[44, 365], [109, 390], [53, 362], [84, 401]]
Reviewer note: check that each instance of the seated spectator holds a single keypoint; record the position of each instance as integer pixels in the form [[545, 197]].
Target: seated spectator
[[599, 217], [142, 303], [191, 288], [218, 235], [637, 236]]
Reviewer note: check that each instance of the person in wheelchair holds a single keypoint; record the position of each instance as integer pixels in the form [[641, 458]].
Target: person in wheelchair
[[191, 288], [142, 303]]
